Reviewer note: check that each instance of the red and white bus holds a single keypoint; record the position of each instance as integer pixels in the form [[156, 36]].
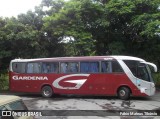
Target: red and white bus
[[91, 75]]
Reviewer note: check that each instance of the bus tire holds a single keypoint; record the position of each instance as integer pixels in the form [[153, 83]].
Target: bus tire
[[47, 91], [124, 93]]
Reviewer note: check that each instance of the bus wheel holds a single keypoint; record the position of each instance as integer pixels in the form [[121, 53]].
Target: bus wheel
[[124, 93], [47, 92]]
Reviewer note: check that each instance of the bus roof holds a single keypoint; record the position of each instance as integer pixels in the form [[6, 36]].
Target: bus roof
[[128, 58], [80, 58], [5, 99]]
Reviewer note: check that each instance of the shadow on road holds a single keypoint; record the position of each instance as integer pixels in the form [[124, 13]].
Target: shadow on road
[[70, 96]]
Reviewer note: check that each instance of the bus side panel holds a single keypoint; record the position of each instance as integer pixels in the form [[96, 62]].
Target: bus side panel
[[95, 84], [70, 84], [123, 80], [98, 84], [21, 82], [10, 81]]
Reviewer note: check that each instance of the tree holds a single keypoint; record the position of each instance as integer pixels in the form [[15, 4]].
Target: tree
[[108, 27], [136, 23], [77, 20], [90, 27]]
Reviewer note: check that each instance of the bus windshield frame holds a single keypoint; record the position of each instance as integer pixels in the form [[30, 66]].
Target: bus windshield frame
[[140, 70]]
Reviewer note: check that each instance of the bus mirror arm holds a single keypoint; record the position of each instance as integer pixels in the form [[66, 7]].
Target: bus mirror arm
[[151, 64]]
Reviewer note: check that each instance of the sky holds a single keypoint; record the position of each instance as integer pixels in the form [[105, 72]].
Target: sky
[[9, 8]]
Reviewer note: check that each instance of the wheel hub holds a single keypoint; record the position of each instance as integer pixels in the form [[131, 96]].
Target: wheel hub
[[122, 93], [46, 92]]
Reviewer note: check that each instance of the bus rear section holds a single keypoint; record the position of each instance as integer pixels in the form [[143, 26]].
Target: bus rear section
[[82, 76]]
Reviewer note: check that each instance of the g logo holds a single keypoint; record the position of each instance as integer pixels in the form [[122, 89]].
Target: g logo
[[79, 82]]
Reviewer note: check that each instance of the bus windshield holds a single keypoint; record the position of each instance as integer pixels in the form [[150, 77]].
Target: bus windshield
[[139, 70], [150, 73], [143, 72]]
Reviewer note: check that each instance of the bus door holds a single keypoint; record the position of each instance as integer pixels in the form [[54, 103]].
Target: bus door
[[144, 79]]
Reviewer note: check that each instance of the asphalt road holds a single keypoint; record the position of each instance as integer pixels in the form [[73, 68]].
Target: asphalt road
[[91, 107]]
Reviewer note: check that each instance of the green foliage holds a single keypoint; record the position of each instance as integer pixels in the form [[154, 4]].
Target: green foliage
[[117, 50], [93, 27], [157, 79], [4, 82]]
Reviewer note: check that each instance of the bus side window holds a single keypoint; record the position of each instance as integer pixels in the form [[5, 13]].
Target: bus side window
[[19, 67], [64, 67], [89, 67], [29, 68], [51, 67], [116, 67], [94, 67], [69, 67], [33, 68], [106, 67], [72, 67]]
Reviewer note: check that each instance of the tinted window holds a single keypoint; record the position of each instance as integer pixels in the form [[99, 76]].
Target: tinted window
[[19, 67], [51, 67], [33, 68], [139, 70], [132, 65], [143, 72], [116, 67], [92, 67], [106, 67], [69, 67]]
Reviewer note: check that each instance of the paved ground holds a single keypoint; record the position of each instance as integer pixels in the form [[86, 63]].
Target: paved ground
[[91, 105]]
